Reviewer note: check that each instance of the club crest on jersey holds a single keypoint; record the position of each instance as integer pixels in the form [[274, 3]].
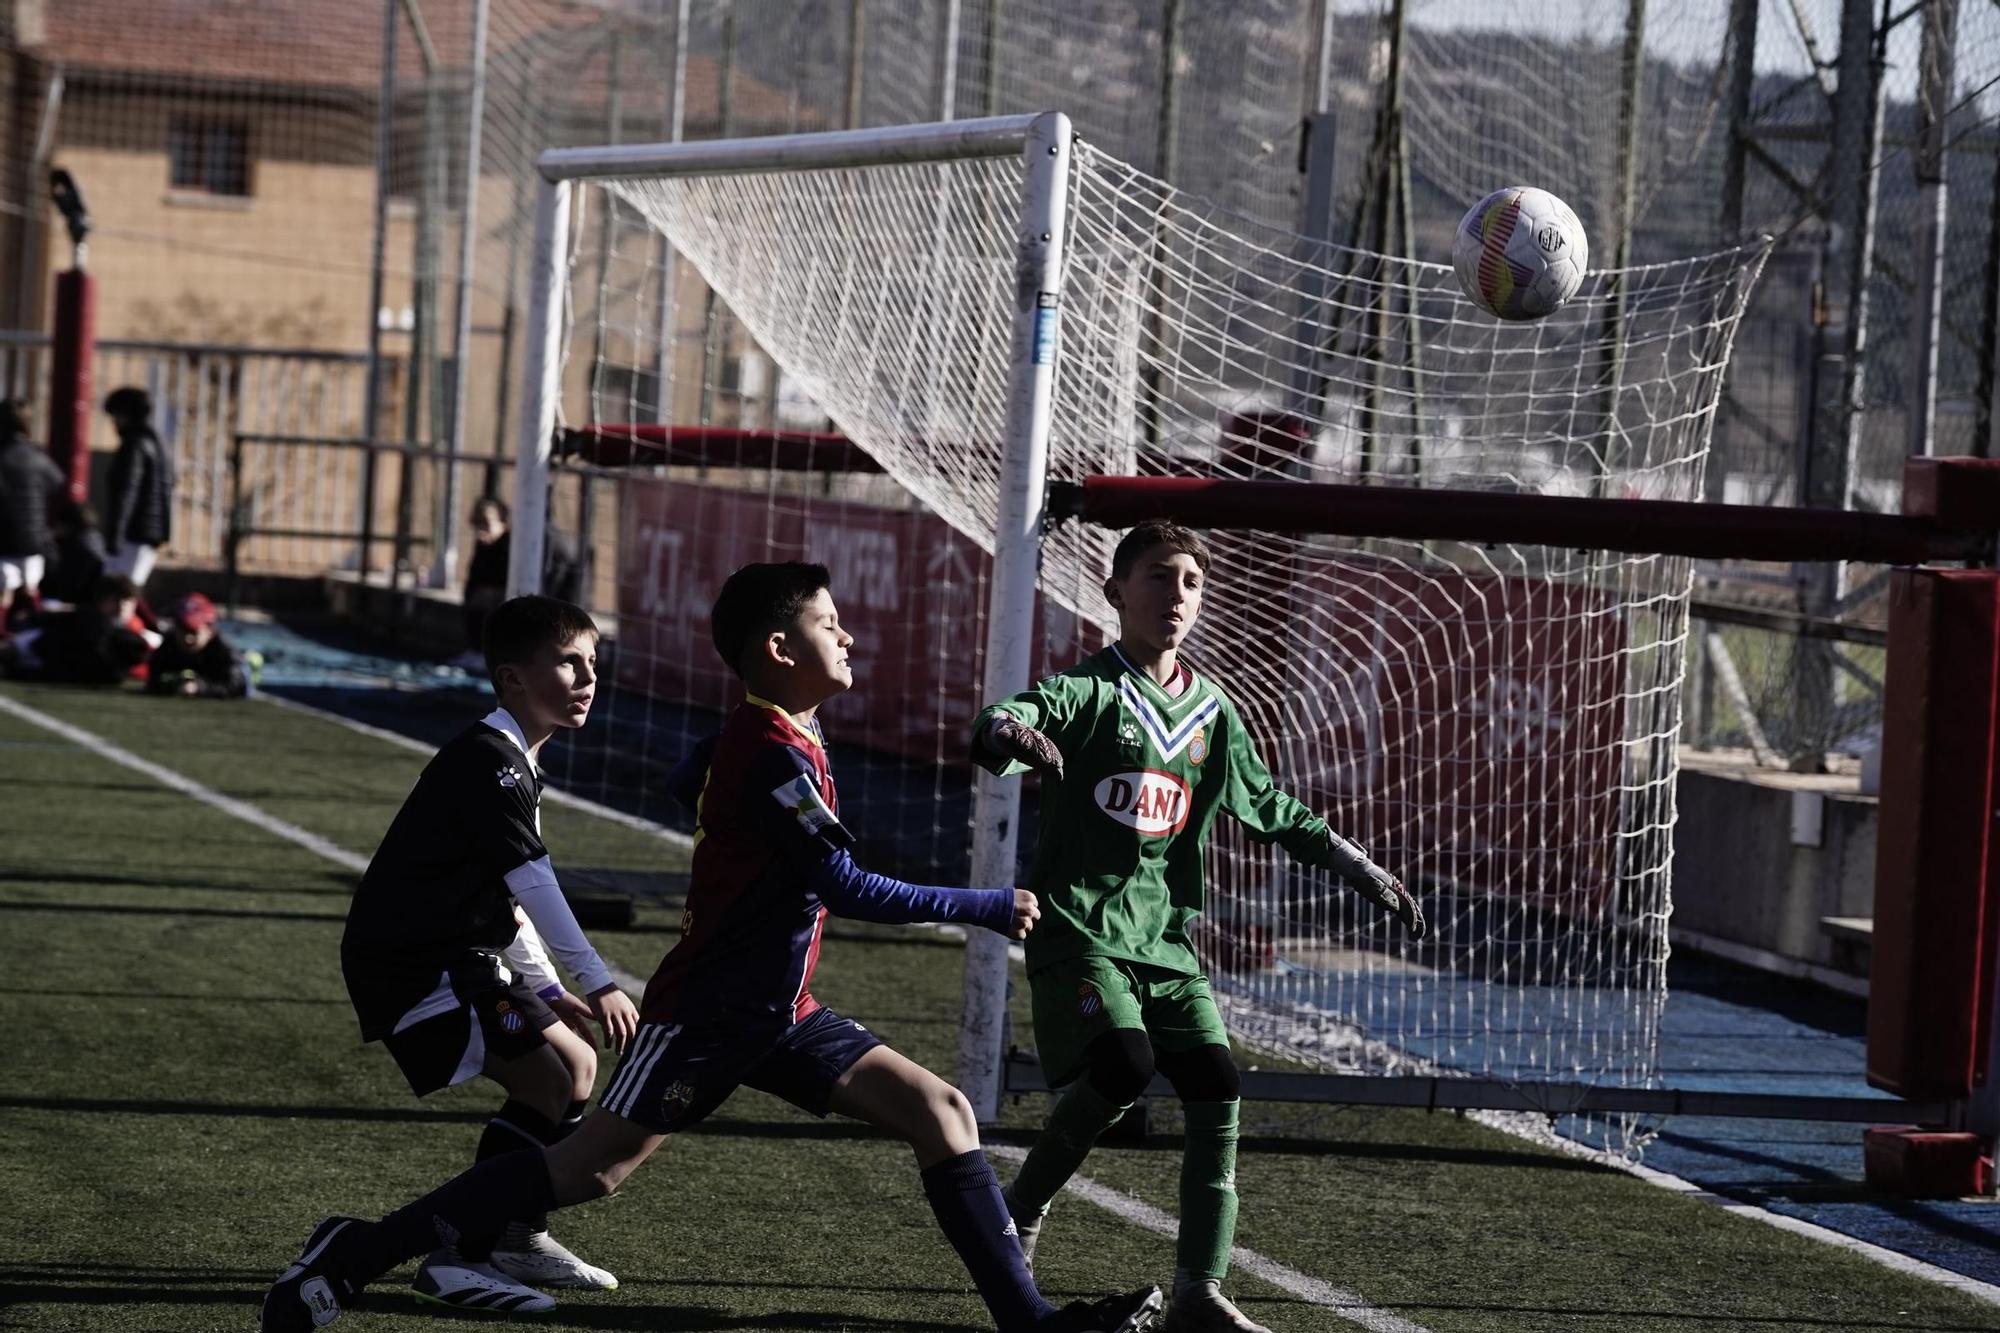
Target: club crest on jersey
[[510, 1017], [510, 776], [1088, 1002], [1198, 746], [1152, 802]]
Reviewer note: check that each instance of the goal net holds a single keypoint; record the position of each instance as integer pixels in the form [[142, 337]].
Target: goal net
[[818, 363]]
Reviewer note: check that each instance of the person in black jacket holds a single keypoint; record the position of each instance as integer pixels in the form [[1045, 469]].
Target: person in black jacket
[[76, 556], [29, 480], [141, 499], [486, 573], [95, 644], [195, 659]]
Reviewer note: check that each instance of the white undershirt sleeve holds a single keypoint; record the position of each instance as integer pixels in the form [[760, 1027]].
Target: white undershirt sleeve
[[529, 959], [536, 890]]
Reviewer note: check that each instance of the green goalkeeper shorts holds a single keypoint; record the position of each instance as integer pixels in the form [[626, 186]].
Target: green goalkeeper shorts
[[1078, 1000]]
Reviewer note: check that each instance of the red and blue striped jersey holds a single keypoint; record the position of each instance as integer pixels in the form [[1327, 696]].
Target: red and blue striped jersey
[[750, 936]]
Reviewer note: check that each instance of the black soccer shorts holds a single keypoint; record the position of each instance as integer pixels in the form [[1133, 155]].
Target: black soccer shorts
[[496, 1022], [673, 1076]]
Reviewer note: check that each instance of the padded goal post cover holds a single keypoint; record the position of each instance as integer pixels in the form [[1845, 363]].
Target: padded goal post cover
[[1937, 876]]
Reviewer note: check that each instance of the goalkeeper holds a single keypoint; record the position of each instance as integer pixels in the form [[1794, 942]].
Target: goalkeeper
[[1138, 754]]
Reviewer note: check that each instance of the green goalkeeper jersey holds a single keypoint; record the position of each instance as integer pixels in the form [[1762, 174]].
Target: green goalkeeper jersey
[[1119, 867]]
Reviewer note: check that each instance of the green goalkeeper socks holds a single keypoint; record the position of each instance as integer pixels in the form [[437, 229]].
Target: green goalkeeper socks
[[1080, 1116], [1208, 1192]]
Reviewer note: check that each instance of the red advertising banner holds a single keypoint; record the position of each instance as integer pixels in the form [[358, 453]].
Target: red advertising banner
[[1468, 728]]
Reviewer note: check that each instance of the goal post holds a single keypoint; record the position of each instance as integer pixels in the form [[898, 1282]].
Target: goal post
[[1042, 143], [911, 336]]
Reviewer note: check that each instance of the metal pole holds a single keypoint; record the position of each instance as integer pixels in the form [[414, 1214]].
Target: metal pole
[[542, 374], [1010, 627], [1611, 374], [665, 345], [444, 566], [614, 117], [1934, 91], [371, 389], [990, 44], [1151, 409], [1316, 223], [713, 337], [421, 384], [857, 35], [1322, 80], [947, 69], [1736, 145], [1827, 461], [1987, 422]]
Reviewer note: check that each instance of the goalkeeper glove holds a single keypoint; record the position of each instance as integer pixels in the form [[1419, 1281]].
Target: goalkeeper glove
[[1374, 883], [1018, 741]]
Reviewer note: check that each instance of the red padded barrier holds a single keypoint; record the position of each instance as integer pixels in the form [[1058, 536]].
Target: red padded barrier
[[1937, 902]]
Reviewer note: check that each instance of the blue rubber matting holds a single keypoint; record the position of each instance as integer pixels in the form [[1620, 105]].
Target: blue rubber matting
[[1725, 1028]]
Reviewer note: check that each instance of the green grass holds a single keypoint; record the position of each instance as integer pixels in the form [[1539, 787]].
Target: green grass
[[185, 1094]]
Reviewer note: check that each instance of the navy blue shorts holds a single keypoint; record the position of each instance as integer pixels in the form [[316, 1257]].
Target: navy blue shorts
[[673, 1075]]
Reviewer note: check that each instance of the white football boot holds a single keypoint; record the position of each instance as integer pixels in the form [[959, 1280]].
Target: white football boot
[[540, 1259], [449, 1278], [1201, 1307]]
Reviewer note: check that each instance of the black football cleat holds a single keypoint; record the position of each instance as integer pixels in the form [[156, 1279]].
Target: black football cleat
[[1133, 1312], [308, 1295]]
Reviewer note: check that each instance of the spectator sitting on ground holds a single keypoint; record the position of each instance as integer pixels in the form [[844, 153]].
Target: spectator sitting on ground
[[141, 487], [76, 557], [96, 644], [29, 480], [195, 659], [486, 574]]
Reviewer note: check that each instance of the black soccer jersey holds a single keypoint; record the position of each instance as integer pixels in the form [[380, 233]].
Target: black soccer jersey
[[434, 906]]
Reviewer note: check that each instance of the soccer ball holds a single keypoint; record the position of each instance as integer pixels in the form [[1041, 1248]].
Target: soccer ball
[[1520, 253]]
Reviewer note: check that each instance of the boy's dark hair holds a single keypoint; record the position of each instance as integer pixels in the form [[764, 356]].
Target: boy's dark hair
[[13, 420], [490, 502], [129, 401], [113, 585], [521, 626], [758, 600], [1158, 532]]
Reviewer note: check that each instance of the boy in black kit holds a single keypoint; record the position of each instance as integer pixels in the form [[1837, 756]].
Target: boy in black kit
[[731, 1004], [443, 951]]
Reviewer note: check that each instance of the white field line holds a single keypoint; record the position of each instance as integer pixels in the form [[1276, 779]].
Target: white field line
[[1535, 1130], [660, 831], [1345, 1304], [229, 805], [187, 786]]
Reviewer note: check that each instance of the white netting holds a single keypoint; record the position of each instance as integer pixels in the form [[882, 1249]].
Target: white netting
[[1494, 723]]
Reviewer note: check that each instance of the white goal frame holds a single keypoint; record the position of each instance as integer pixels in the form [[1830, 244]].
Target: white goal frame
[[1042, 142]]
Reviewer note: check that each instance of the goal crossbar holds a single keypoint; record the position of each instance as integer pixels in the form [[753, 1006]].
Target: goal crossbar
[[1645, 527], [889, 145]]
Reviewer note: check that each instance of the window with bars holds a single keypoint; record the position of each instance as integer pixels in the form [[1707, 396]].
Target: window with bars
[[209, 156]]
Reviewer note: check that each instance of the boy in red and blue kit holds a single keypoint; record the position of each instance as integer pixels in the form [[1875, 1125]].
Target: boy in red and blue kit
[[731, 1004]]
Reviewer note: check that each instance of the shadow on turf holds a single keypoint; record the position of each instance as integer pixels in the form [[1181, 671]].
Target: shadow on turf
[[177, 997], [1598, 1316], [338, 883], [127, 909], [153, 1106], [170, 1287], [625, 1314]]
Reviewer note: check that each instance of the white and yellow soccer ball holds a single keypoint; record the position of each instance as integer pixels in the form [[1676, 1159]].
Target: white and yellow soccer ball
[[1520, 253]]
